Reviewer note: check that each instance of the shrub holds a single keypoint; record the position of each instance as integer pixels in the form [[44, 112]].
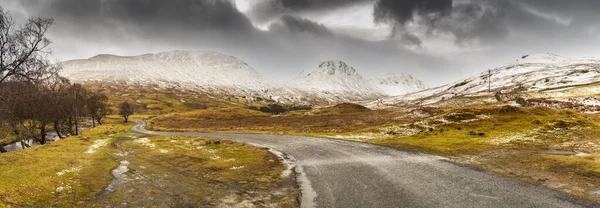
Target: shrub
[[521, 101], [507, 109], [273, 109]]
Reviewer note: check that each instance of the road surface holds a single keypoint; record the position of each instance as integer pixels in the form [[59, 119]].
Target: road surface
[[337, 173]]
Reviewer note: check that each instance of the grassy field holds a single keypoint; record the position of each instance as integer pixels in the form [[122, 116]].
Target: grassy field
[[169, 171], [554, 148], [236, 119], [156, 101]]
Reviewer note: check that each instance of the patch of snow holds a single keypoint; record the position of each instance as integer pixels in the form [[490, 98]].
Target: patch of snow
[[236, 167], [512, 138], [97, 144], [70, 170], [145, 141], [63, 188]]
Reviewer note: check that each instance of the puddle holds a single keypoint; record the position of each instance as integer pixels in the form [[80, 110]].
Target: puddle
[[559, 152], [119, 176]]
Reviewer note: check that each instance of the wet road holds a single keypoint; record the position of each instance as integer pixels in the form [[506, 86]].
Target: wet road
[[336, 173]]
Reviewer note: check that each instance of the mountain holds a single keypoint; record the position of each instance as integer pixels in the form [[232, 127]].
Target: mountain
[[330, 82], [397, 84], [206, 70], [530, 73], [336, 79]]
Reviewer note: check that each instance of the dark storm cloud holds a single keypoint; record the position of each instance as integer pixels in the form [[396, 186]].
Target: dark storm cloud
[[272, 9], [411, 39], [294, 24], [402, 11], [148, 14], [500, 30]]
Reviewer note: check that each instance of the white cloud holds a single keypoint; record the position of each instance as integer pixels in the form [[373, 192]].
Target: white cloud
[[558, 18]]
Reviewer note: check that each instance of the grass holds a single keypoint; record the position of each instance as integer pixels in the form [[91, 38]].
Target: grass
[[514, 141], [154, 100], [32, 177], [517, 142], [65, 173], [456, 136], [200, 172], [237, 119]]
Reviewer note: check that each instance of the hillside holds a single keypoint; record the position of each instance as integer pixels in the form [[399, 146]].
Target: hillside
[[205, 70], [219, 74], [337, 79], [395, 84], [529, 74]]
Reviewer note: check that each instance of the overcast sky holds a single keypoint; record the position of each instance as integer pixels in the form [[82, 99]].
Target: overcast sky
[[437, 41]]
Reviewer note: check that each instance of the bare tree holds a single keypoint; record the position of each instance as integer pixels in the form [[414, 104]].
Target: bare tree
[[22, 49], [78, 100], [126, 110], [96, 104], [57, 94]]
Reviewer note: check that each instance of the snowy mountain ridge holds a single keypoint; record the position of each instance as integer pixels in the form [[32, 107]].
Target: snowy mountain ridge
[[211, 71], [200, 69], [335, 78], [395, 84], [535, 73]]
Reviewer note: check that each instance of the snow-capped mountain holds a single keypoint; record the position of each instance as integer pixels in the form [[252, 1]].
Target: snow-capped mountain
[[330, 82], [395, 84], [337, 79], [532, 73], [207, 70]]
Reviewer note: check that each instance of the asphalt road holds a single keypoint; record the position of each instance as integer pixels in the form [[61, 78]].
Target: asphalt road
[[336, 173]]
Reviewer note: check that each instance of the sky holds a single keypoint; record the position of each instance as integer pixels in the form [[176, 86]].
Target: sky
[[437, 41]]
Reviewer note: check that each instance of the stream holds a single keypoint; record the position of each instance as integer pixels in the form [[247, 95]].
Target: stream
[[15, 146]]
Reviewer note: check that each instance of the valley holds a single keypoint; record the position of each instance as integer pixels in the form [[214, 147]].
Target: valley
[[299, 103], [542, 134]]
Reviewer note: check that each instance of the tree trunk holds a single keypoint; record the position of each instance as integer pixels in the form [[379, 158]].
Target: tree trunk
[[24, 144], [126, 118], [99, 120], [57, 129], [2, 150], [76, 126], [70, 124], [43, 133], [93, 122]]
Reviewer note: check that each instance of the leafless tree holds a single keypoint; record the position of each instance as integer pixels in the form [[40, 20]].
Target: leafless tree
[[96, 104], [126, 110], [78, 99], [23, 49]]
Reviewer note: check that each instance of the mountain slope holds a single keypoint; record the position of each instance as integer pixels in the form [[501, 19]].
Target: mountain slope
[[197, 69], [337, 79], [397, 84], [533, 73]]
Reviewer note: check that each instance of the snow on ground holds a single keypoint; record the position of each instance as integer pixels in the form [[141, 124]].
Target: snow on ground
[[395, 84], [145, 141], [219, 73], [97, 144], [336, 78], [532, 73], [70, 170], [519, 137]]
